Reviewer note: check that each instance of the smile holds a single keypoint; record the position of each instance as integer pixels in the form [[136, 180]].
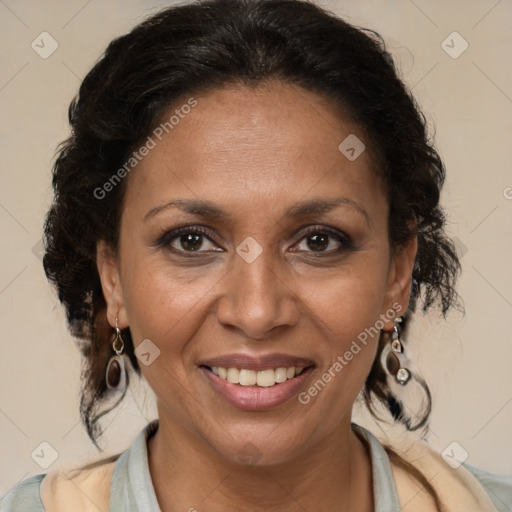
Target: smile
[[261, 378], [257, 390]]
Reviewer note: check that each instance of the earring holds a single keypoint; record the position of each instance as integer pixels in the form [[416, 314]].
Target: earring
[[394, 358], [407, 395], [115, 375]]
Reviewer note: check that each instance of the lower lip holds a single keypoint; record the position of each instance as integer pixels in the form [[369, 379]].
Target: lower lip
[[255, 398]]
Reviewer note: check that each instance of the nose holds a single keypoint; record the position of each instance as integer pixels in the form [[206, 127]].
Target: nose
[[256, 299]]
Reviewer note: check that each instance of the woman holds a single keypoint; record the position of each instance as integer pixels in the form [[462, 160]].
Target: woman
[[245, 213]]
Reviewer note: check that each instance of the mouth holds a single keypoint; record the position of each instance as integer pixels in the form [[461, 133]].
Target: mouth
[[256, 385], [261, 378]]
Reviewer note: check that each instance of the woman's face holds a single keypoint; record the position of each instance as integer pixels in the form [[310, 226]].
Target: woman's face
[[282, 261]]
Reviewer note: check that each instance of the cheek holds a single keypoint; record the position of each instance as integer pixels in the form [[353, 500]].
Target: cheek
[[160, 303], [347, 309], [166, 308], [346, 302]]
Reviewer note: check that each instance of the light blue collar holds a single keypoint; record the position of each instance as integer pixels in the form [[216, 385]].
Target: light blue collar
[[131, 487]]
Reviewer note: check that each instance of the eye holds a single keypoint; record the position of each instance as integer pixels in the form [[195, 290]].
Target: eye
[[189, 240], [324, 240]]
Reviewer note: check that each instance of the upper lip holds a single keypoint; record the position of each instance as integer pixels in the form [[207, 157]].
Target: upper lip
[[261, 362]]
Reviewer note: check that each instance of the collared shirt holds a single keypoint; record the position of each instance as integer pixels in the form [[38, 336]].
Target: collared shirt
[[132, 488]]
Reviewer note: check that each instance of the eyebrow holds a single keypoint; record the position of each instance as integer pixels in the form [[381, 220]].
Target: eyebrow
[[210, 210]]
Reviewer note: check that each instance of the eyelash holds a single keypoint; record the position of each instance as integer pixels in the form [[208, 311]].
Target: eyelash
[[346, 243]]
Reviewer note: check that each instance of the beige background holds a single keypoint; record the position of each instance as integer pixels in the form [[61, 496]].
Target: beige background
[[467, 360]]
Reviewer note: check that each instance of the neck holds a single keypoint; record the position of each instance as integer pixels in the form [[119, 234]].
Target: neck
[[188, 474]]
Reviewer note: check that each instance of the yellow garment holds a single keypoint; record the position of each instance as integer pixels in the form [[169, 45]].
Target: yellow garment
[[458, 489]]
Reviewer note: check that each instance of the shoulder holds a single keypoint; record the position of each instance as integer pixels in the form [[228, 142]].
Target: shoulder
[[61, 490], [457, 487], [79, 489], [24, 497], [497, 487]]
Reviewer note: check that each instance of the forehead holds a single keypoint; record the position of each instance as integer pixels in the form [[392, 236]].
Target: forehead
[[239, 144]]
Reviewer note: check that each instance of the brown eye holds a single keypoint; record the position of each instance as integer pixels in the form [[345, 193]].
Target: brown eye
[[318, 242], [188, 240], [323, 241], [191, 242]]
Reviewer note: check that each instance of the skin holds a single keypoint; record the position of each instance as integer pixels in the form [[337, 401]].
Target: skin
[[255, 152]]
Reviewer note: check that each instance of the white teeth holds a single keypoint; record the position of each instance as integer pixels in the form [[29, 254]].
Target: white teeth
[[262, 378], [280, 375], [233, 375], [266, 378], [247, 377]]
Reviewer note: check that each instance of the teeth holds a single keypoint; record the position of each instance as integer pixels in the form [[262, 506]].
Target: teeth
[[280, 375], [265, 378], [262, 378], [233, 375], [247, 378]]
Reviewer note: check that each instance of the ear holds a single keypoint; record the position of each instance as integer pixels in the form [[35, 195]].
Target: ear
[[400, 277], [108, 268]]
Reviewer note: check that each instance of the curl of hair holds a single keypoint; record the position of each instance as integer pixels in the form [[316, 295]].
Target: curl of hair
[[191, 48]]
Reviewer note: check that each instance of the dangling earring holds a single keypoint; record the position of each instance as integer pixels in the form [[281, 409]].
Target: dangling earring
[[408, 396], [394, 361], [115, 375]]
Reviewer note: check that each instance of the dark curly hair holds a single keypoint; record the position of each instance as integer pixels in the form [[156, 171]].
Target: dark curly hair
[[209, 44]]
